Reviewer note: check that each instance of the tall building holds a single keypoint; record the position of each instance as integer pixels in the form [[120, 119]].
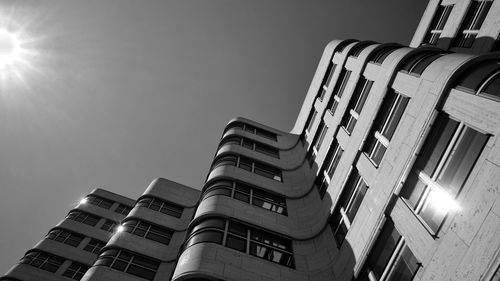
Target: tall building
[[391, 172]]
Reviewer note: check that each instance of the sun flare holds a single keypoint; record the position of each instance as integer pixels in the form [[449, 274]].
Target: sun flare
[[19, 55], [10, 49]]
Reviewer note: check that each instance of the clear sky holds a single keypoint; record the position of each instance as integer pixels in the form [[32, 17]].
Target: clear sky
[[119, 92]]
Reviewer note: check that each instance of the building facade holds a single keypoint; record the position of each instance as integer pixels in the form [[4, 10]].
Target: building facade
[[391, 172]]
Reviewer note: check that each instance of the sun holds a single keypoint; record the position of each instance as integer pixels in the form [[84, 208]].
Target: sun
[[10, 50]]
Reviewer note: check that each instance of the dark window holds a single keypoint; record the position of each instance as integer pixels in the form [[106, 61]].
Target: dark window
[[328, 168], [327, 79], [319, 137], [417, 63], [43, 260], [94, 246], [248, 194], [83, 217], [348, 205], [385, 124], [76, 270], [356, 50], [123, 209], [129, 262], [252, 145], [109, 225], [237, 236], [437, 24], [471, 24], [441, 169], [66, 237], [165, 207], [482, 79], [356, 104], [249, 165], [390, 258], [99, 201], [381, 54], [339, 90], [252, 129], [310, 121], [149, 231]]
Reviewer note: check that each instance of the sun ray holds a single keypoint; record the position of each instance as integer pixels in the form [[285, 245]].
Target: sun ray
[[19, 55]]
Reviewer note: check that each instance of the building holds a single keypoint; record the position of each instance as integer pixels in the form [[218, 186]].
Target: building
[[391, 172]]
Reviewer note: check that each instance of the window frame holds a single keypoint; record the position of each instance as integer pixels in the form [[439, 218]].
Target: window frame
[[328, 168], [277, 202], [94, 246], [430, 182], [83, 217], [311, 121], [148, 230], [470, 26], [327, 79], [40, 259], [250, 165], [115, 256], [76, 270], [437, 24], [354, 191], [165, 207], [395, 102], [123, 209], [109, 225], [99, 201], [64, 236], [338, 91], [251, 145], [356, 104], [244, 234], [396, 255]]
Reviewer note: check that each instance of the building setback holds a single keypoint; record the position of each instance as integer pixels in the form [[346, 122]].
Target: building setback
[[391, 172]]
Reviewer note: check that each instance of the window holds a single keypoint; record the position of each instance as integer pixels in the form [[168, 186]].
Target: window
[[441, 169], [417, 63], [329, 165], [249, 165], [356, 104], [252, 145], [310, 121], [253, 130], [472, 23], [109, 225], [76, 270], [349, 201], [149, 231], [247, 194], [64, 236], [385, 124], [381, 54], [83, 217], [94, 246], [129, 262], [437, 24], [42, 260], [482, 79], [356, 50], [99, 201], [165, 207], [339, 90], [123, 209], [318, 139], [327, 79], [390, 258], [243, 238]]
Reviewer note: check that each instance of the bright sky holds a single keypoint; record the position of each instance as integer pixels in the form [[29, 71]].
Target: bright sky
[[115, 93]]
